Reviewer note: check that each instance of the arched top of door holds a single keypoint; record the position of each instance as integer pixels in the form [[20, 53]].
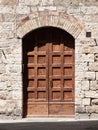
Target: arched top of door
[[54, 19]]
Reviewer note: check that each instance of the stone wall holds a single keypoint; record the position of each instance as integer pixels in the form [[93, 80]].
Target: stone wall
[[14, 16]]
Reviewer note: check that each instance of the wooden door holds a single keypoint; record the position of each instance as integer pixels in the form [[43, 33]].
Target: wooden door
[[49, 74]]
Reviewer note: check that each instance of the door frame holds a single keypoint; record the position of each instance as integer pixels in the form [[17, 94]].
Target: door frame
[[24, 113]]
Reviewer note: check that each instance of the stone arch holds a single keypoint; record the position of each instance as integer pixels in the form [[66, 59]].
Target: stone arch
[[66, 22]]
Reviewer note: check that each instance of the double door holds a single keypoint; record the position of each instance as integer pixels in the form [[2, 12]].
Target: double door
[[49, 70]]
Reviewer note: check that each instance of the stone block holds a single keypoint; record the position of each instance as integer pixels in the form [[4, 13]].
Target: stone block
[[9, 2], [33, 9], [10, 106], [91, 94], [61, 2], [86, 101], [7, 9], [89, 9], [85, 85], [79, 93], [9, 17], [2, 69], [29, 2], [17, 112], [78, 101], [3, 95], [85, 57], [80, 109], [96, 41], [95, 32], [44, 8], [2, 110], [84, 116], [47, 2], [17, 95], [96, 57], [23, 10], [94, 101], [90, 109], [93, 85], [19, 103], [12, 68], [1, 18], [86, 50], [89, 75], [3, 86], [94, 49], [61, 9], [96, 75], [73, 10], [7, 35], [93, 66], [94, 116], [7, 26], [81, 66], [2, 103], [88, 42]]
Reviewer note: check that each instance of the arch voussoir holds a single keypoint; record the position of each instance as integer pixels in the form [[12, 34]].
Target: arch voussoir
[[65, 22]]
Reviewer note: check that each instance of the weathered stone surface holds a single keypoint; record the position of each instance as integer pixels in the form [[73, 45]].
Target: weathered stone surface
[[89, 10], [86, 101], [2, 103], [89, 75], [2, 110], [91, 94], [73, 10], [47, 2], [94, 116], [96, 75], [51, 8], [78, 101], [95, 101], [29, 2], [3, 86], [7, 9], [1, 19], [80, 109], [17, 95], [93, 85], [88, 42], [10, 106], [90, 109], [9, 17], [85, 58], [17, 112], [84, 116], [93, 66], [23, 10], [8, 26], [14, 68], [8, 2], [61, 2], [85, 85], [2, 69], [96, 58]]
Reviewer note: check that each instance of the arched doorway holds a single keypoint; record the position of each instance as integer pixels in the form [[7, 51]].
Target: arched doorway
[[48, 73]]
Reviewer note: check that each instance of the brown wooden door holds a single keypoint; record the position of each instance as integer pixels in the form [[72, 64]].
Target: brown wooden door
[[49, 74]]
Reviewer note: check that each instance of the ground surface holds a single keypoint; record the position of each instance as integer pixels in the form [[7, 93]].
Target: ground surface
[[75, 125]]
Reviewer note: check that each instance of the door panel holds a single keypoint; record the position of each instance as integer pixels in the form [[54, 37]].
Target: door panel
[[49, 74], [37, 81]]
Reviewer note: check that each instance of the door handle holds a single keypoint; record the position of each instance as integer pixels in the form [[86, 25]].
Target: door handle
[[51, 84]]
